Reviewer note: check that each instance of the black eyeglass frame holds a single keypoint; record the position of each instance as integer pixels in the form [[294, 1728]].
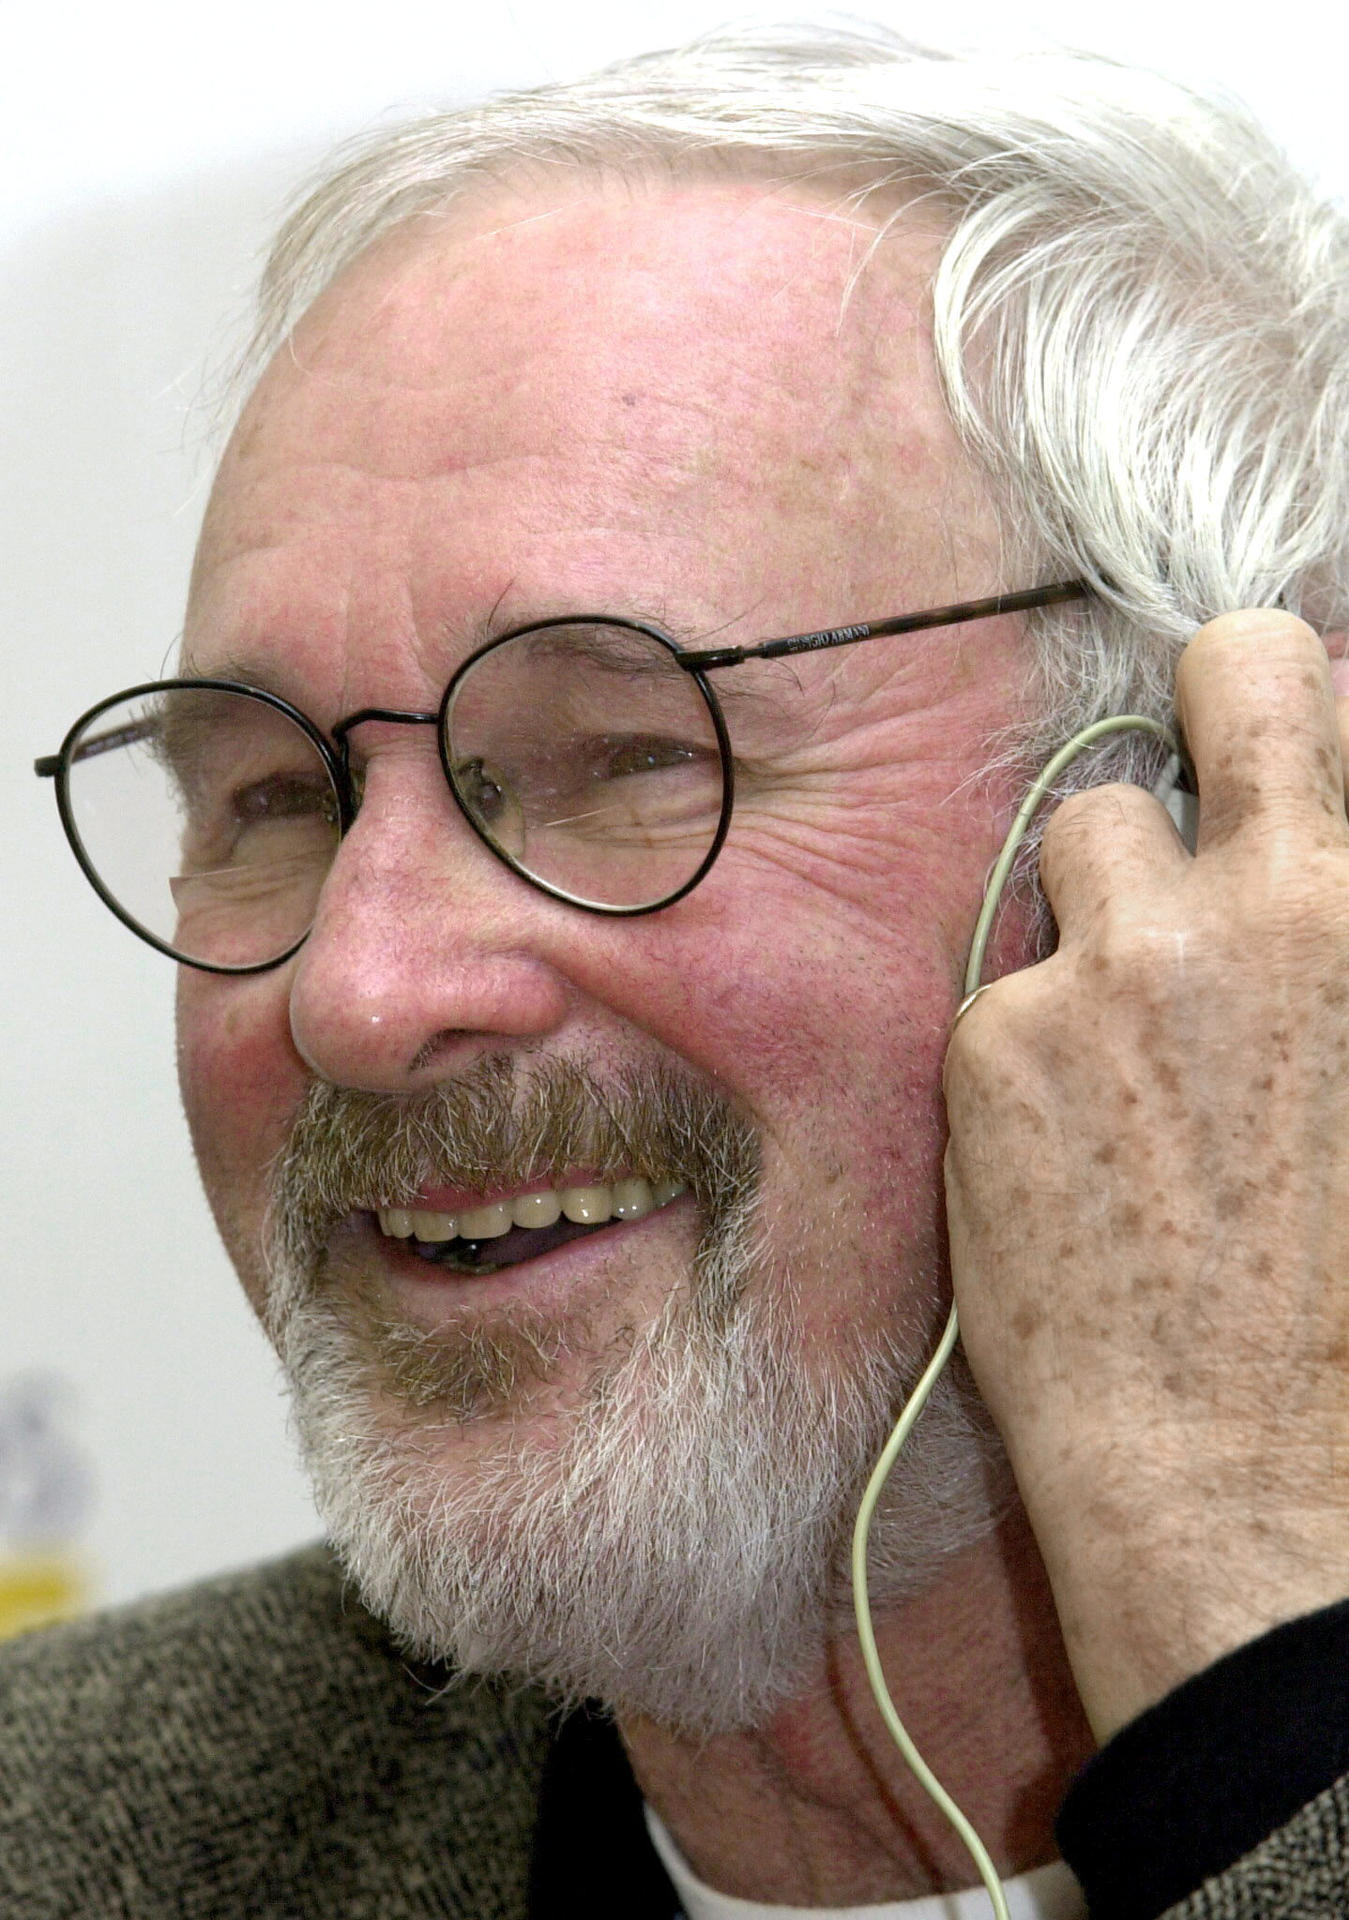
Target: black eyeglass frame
[[336, 758]]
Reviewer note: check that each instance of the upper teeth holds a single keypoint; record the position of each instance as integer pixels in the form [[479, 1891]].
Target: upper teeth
[[588, 1206]]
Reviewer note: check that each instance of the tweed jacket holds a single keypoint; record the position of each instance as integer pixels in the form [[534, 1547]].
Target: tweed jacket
[[256, 1746]]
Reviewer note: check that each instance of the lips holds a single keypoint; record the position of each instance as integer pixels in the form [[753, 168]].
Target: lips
[[484, 1238]]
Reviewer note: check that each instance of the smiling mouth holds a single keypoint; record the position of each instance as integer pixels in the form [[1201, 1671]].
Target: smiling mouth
[[483, 1240]]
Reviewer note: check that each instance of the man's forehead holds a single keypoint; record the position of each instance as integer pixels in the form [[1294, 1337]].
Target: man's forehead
[[744, 263], [684, 363], [606, 294]]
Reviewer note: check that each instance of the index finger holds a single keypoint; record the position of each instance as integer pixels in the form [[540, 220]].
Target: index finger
[[1255, 701]]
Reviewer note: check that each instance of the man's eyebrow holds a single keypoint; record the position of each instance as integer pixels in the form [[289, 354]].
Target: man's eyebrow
[[244, 669], [620, 650], [253, 670]]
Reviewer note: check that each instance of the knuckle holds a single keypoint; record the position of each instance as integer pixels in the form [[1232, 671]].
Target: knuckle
[[1281, 916], [990, 1024], [1094, 818], [1146, 953]]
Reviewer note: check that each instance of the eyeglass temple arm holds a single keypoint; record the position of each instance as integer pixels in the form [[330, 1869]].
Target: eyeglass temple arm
[[703, 661], [49, 765], [710, 658]]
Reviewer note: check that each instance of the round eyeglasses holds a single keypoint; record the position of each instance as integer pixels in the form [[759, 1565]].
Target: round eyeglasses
[[590, 755]]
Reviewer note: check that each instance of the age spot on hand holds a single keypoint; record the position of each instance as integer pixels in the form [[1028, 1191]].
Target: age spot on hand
[[1143, 1285], [1027, 1322], [1228, 1202]]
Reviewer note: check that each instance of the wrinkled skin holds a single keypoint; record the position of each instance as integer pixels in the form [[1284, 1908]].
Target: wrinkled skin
[[661, 404], [646, 403], [1148, 1182]]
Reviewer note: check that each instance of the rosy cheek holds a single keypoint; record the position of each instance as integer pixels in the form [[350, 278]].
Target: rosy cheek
[[241, 1081], [830, 1027]]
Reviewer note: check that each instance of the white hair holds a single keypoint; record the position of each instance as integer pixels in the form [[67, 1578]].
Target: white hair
[[680, 1553], [677, 1544], [1141, 317], [1141, 323]]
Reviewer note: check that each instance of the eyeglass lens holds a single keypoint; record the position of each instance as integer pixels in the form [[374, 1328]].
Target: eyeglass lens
[[582, 753], [209, 818], [589, 760]]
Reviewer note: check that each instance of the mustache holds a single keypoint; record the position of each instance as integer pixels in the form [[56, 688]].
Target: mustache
[[498, 1125]]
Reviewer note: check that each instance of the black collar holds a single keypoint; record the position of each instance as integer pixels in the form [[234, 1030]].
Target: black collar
[[592, 1853]]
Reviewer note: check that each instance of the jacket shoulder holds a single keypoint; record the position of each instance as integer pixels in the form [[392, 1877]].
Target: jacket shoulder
[[257, 1745], [1301, 1872]]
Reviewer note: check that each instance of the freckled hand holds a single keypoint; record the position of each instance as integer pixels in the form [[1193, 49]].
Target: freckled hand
[[1148, 1188]]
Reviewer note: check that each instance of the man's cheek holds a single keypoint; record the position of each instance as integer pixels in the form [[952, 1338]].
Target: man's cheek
[[834, 1044], [241, 1082]]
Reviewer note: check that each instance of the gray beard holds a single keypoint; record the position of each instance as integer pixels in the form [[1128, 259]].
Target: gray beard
[[680, 1551]]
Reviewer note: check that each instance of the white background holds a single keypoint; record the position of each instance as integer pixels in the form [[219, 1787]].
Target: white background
[[144, 151]]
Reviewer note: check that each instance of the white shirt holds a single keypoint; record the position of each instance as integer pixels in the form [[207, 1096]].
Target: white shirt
[[1049, 1893]]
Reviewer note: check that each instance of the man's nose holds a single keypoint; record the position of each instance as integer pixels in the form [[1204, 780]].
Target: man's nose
[[420, 957]]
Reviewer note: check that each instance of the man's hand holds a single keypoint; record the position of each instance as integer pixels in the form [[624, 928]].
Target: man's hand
[[1148, 1187]]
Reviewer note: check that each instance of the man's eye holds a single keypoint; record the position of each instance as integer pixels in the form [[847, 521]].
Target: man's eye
[[283, 819], [283, 798], [618, 756]]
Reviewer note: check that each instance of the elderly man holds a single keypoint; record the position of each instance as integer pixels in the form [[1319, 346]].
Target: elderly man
[[563, 1020]]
